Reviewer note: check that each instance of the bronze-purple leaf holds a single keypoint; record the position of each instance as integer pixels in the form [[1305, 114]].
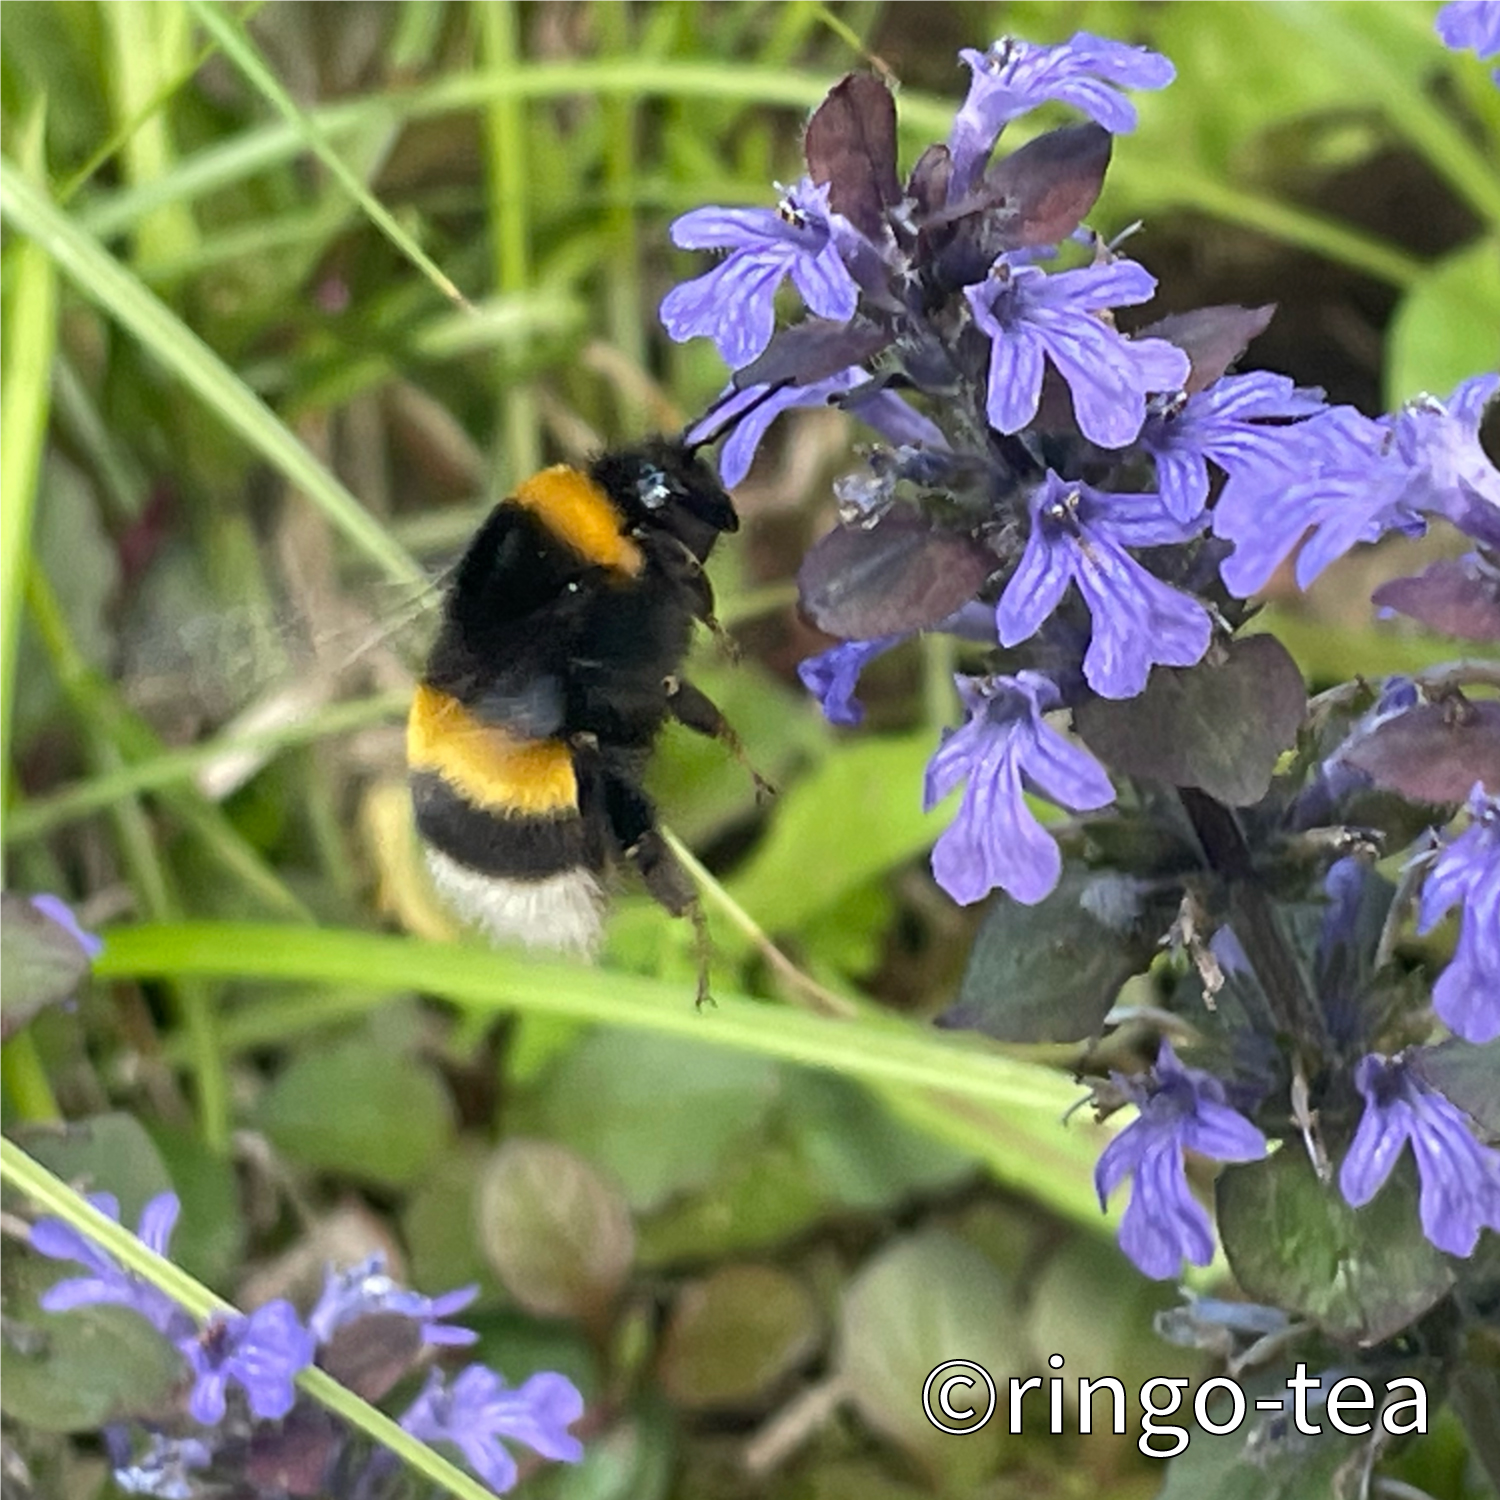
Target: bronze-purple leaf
[[900, 573], [928, 186], [812, 350], [1434, 753], [370, 1354], [1212, 337], [294, 1456], [1459, 596], [851, 145], [1044, 190], [1220, 726]]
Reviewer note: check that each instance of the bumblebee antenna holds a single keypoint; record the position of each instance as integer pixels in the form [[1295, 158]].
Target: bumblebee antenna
[[733, 419]]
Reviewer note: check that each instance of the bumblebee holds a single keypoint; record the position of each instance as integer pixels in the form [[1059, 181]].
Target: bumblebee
[[557, 661]]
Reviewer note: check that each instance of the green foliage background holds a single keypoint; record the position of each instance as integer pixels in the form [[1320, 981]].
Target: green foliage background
[[292, 293]]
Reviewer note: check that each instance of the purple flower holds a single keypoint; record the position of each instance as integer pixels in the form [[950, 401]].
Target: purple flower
[[367, 1288], [1467, 874], [263, 1352], [1459, 1177], [1471, 26], [477, 1410], [1217, 425], [55, 909], [1181, 1109], [164, 1470], [109, 1282], [1031, 316], [1351, 479], [1079, 535], [883, 410], [735, 303], [1004, 749], [1011, 77], [832, 676], [1440, 464]]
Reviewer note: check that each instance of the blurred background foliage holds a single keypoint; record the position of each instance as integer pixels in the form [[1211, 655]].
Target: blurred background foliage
[[292, 293]]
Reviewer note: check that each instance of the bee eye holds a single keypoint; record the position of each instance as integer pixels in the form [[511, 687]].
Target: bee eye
[[654, 488]]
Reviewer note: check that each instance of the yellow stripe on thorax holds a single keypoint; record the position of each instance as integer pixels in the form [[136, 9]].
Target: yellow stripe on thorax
[[576, 511], [488, 767]]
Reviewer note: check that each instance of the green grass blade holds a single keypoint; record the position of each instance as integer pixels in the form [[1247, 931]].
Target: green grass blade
[[101, 278], [30, 337], [239, 49]]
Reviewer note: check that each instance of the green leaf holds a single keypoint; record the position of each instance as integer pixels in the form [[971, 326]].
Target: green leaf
[[109, 1153], [1443, 329], [41, 961], [658, 1115], [734, 1335], [1293, 1242], [440, 1222], [858, 815], [1049, 972], [923, 1300], [558, 1235], [1220, 726], [210, 1234], [76, 1371], [352, 1107]]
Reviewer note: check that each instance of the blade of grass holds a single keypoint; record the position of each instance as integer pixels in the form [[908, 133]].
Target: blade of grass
[[240, 50], [101, 278], [878, 1049], [30, 338], [44, 814], [519, 454], [48, 1192]]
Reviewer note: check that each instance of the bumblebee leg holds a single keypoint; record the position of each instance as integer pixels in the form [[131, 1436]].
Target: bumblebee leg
[[633, 821], [695, 710]]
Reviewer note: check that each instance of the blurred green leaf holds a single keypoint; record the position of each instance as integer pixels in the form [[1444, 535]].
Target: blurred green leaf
[[1443, 330], [108, 1153], [658, 1115], [733, 1335], [40, 959], [352, 1107], [858, 815], [557, 1234], [440, 1222], [210, 1235], [925, 1299], [77, 1371]]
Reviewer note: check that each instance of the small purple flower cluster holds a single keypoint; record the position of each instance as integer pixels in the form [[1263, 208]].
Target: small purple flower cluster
[[1094, 509], [243, 1370]]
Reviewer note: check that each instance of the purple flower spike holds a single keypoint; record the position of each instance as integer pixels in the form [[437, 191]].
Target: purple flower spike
[[1460, 1178], [366, 1288], [735, 303], [263, 1353], [1467, 874], [109, 1282], [1079, 534], [55, 909], [1181, 1109], [1471, 26], [1031, 316], [1012, 77], [1217, 426], [1005, 748], [477, 1410], [833, 675]]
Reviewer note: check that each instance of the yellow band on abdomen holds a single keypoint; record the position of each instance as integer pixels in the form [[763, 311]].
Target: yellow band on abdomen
[[582, 516], [484, 764]]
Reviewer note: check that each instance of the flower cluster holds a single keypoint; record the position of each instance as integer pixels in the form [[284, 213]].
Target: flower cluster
[[1087, 501], [240, 1372]]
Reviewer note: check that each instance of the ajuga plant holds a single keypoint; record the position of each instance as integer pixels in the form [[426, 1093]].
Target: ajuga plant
[[1087, 498]]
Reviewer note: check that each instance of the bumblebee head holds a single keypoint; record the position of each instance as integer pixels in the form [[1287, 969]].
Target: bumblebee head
[[662, 486]]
